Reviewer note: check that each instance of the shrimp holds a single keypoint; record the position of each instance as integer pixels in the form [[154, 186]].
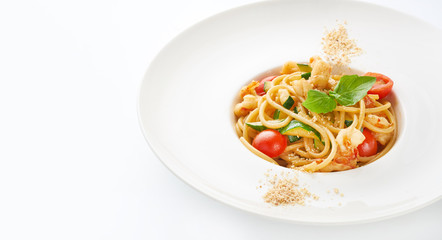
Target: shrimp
[[342, 162], [290, 67], [320, 72], [380, 122], [283, 95], [346, 157], [301, 87], [243, 108], [382, 138], [249, 89], [369, 102]]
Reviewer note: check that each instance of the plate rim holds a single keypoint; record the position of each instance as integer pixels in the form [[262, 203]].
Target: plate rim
[[205, 189]]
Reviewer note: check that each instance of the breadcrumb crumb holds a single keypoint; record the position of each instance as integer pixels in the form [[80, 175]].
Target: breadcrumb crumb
[[338, 47], [286, 190]]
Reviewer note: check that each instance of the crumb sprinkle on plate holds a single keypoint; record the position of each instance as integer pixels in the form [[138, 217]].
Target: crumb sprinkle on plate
[[338, 48], [286, 190]]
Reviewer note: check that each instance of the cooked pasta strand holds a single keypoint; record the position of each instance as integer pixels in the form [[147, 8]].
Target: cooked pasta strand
[[327, 143]]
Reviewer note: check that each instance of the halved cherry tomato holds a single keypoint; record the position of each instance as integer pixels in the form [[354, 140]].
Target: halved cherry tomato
[[369, 146], [260, 89], [270, 142], [383, 85]]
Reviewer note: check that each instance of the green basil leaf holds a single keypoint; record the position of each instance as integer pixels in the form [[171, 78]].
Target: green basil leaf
[[295, 110], [319, 102], [257, 126], [293, 138], [306, 76], [288, 103], [352, 88], [276, 114]]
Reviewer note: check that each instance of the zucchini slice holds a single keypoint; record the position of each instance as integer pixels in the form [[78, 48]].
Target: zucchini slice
[[293, 138], [257, 126], [267, 86], [318, 144], [276, 114], [297, 128], [288, 103], [304, 67], [349, 122], [306, 76], [300, 132]]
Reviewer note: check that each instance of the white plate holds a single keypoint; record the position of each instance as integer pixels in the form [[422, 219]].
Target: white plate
[[186, 100]]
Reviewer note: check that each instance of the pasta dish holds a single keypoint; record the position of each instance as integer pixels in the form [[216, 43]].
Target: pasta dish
[[304, 117]]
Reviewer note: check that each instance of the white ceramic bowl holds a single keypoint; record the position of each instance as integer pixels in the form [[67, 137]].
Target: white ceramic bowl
[[187, 94]]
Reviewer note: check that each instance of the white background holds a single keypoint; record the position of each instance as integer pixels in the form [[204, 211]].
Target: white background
[[73, 161]]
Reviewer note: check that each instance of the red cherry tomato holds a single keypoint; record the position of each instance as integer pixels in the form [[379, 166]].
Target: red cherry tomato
[[260, 89], [369, 146], [270, 142], [383, 85]]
